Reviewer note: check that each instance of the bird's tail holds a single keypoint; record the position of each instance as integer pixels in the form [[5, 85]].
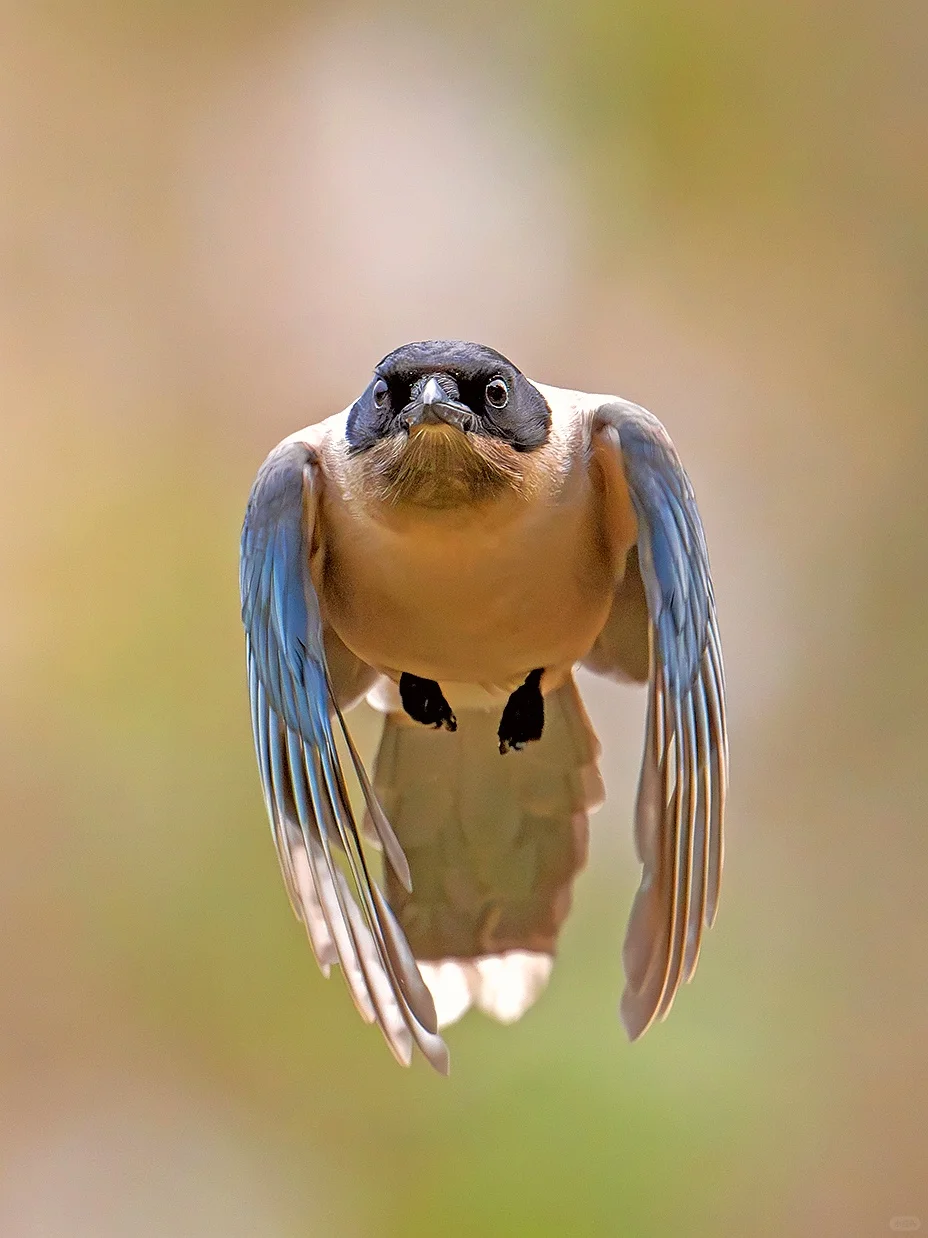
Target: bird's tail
[[494, 843]]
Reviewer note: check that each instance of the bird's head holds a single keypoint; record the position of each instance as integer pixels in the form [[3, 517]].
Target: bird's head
[[446, 422]]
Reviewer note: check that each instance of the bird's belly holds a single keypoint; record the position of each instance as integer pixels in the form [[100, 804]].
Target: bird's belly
[[468, 611]]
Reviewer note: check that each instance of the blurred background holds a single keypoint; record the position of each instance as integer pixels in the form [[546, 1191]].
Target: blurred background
[[214, 220]]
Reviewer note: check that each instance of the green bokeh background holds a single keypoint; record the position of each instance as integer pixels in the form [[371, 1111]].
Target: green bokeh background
[[721, 214]]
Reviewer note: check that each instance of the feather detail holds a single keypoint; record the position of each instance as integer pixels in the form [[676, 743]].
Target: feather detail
[[684, 773], [293, 702]]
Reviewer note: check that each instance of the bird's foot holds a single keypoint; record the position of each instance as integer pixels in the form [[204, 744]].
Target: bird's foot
[[424, 701], [523, 718]]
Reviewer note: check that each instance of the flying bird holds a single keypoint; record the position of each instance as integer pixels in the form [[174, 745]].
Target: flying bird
[[451, 547]]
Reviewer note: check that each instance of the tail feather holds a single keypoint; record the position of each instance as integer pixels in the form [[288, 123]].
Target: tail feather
[[494, 844]]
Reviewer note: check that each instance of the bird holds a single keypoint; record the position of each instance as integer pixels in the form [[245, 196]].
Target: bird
[[452, 547]]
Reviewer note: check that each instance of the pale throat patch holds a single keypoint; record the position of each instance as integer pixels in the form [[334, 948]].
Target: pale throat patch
[[441, 466]]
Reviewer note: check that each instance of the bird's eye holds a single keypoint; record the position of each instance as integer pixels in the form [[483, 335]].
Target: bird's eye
[[497, 393], [380, 393]]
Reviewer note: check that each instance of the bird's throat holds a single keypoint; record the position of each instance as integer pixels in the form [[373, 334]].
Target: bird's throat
[[440, 466]]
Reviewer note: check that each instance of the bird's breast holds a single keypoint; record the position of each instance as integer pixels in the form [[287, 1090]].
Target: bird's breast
[[479, 596]]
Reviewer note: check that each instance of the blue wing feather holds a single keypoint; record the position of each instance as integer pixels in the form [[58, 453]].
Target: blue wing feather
[[304, 789], [680, 806]]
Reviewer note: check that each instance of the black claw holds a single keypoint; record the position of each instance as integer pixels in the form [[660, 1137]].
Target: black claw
[[424, 701], [523, 718]]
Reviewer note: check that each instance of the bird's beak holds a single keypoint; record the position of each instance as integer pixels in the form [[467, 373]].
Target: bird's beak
[[432, 393], [434, 407]]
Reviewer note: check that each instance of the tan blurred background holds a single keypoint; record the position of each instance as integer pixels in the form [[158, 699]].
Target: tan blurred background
[[214, 219]]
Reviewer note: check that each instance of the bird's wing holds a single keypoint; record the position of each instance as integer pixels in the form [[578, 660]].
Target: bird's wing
[[293, 704], [684, 773]]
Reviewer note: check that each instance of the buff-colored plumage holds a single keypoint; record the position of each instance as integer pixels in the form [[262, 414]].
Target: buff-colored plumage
[[447, 555]]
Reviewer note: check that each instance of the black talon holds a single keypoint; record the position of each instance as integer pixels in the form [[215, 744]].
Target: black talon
[[523, 718], [424, 701]]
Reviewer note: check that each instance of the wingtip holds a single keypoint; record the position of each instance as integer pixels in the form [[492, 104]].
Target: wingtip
[[441, 1062], [632, 1021], [636, 1016], [435, 1052], [712, 910], [401, 1048]]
